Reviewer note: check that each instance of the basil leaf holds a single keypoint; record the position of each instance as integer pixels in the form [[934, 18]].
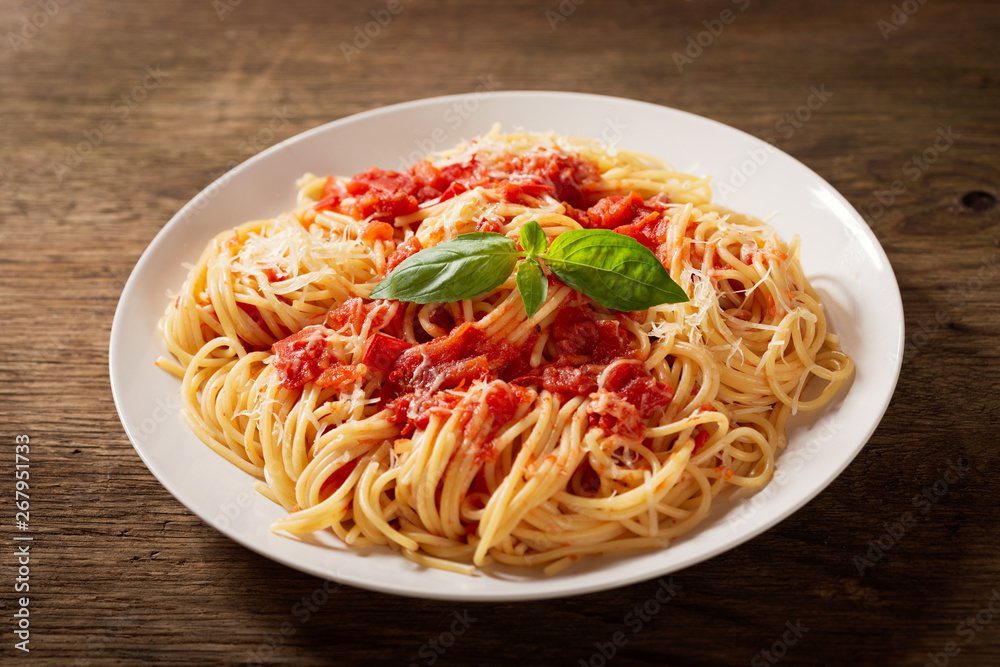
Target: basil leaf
[[533, 239], [614, 270], [467, 266], [532, 285]]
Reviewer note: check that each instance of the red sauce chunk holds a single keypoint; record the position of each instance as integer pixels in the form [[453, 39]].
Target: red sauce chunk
[[403, 251], [614, 414], [524, 193], [381, 352], [572, 178], [700, 440], [384, 195], [615, 211], [352, 312], [580, 338], [377, 231], [629, 215], [443, 363], [635, 385], [561, 379], [338, 376], [302, 356], [497, 406]]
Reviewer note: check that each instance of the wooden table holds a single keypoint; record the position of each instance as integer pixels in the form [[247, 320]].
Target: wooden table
[[114, 114]]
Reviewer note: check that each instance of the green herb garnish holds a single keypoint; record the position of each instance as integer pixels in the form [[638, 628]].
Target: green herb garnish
[[614, 270]]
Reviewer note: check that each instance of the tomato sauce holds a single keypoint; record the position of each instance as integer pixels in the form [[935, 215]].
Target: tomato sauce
[[638, 387], [581, 338], [302, 356], [628, 215], [520, 179], [403, 251], [338, 376]]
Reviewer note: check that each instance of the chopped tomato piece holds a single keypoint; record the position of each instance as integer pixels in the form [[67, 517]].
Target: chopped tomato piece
[[454, 189], [525, 193], [635, 385], [614, 211], [333, 193], [276, 274], [381, 352], [490, 224], [385, 205], [650, 230], [338, 375], [403, 251], [302, 356], [377, 231], [353, 312], [563, 379], [580, 337], [614, 414]]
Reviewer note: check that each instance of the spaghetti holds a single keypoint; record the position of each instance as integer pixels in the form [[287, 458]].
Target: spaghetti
[[466, 433]]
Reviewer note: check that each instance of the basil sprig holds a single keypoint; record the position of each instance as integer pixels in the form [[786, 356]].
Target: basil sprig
[[531, 280], [614, 270], [470, 265]]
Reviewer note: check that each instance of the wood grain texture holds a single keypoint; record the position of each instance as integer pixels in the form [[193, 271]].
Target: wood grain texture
[[123, 574]]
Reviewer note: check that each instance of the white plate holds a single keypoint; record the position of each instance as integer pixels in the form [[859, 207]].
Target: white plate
[[840, 254]]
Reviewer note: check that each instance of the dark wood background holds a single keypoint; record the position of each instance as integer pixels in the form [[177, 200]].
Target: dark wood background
[[122, 573]]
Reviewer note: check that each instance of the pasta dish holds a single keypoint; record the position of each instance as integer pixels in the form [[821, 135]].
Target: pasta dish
[[514, 426]]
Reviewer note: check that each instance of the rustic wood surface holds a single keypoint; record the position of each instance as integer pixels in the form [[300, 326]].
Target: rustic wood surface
[[121, 573]]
